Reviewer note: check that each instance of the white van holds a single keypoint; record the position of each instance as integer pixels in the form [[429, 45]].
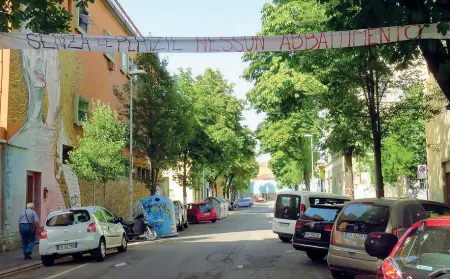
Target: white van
[[291, 204]]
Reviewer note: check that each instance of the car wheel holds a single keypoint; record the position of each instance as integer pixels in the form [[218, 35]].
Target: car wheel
[[194, 220], [150, 233], [124, 246], [100, 252], [77, 257], [186, 225], [316, 256], [336, 274], [48, 260], [181, 228], [250, 205], [285, 238], [213, 221]]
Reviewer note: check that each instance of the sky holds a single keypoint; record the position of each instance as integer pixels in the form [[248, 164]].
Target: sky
[[203, 18]]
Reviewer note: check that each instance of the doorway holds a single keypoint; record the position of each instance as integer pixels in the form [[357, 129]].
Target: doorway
[[447, 189], [34, 191]]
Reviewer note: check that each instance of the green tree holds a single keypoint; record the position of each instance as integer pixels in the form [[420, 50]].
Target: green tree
[[219, 138], [40, 16], [98, 157], [161, 116], [364, 14]]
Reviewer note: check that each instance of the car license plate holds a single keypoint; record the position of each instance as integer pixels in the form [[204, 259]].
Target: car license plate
[[283, 225], [313, 235], [356, 236], [66, 246], [206, 214]]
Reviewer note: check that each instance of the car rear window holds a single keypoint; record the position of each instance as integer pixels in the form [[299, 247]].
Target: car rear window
[[313, 201], [203, 207], [68, 218], [425, 249], [287, 207], [364, 218], [321, 214]]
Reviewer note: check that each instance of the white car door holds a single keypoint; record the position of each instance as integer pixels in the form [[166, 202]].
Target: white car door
[[100, 216], [115, 232]]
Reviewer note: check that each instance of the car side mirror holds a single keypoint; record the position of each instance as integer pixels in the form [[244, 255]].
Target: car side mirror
[[380, 244]]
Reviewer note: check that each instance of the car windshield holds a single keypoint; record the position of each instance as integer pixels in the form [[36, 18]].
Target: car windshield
[[321, 214], [287, 207], [425, 249], [68, 218], [366, 217]]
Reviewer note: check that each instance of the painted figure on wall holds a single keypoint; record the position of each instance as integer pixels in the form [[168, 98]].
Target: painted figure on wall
[[45, 128]]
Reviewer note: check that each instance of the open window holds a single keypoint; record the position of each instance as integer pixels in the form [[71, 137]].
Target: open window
[[82, 20], [81, 110], [65, 154]]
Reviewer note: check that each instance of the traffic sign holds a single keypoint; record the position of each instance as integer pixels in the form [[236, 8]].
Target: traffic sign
[[422, 171]]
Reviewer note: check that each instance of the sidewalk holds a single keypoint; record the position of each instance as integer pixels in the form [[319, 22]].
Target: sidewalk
[[12, 261]]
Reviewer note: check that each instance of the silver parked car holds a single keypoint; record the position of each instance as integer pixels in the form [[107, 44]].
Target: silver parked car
[[347, 256]]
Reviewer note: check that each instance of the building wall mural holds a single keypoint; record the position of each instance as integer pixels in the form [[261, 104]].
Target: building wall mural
[[40, 122]]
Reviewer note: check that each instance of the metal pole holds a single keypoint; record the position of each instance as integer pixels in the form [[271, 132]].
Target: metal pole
[[131, 148], [312, 162]]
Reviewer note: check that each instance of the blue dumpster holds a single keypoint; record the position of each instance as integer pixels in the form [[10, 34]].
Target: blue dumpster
[[161, 215]]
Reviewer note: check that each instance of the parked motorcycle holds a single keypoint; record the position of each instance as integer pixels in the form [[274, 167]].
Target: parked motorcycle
[[138, 228]]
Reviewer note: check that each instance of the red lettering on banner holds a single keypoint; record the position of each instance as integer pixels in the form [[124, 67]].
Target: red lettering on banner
[[203, 42], [284, 43], [349, 38], [387, 36], [357, 33], [418, 31], [398, 34], [372, 42], [231, 45], [260, 39], [246, 45], [242, 46], [323, 40], [211, 45], [312, 37], [293, 37]]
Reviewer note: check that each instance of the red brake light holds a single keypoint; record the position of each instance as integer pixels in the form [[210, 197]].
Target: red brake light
[[91, 228], [43, 234], [441, 222], [332, 236], [328, 228], [302, 208], [389, 270], [298, 225]]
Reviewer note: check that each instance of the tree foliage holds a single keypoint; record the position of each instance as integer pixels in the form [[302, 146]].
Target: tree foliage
[[98, 157], [161, 116], [44, 16]]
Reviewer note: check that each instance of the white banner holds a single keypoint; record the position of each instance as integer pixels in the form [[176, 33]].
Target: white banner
[[294, 42]]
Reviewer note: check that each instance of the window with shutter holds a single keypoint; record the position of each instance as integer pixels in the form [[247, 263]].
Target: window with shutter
[[83, 23]]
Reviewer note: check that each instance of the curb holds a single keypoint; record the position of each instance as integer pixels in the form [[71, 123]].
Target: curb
[[19, 269]]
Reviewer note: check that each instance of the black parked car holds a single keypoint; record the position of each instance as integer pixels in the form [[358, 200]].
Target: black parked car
[[313, 229]]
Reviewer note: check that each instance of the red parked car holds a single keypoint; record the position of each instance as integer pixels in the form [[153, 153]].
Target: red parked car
[[422, 252], [201, 211]]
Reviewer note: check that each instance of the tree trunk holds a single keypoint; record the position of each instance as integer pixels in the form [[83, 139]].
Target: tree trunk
[[104, 195], [307, 181], [348, 173], [229, 186], [93, 193], [185, 161], [373, 99], [154, 181]]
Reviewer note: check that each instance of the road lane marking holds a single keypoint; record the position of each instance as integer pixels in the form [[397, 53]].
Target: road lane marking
[[67, 271]]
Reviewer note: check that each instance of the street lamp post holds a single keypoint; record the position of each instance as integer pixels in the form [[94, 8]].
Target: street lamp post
[[132, 75], [312, 157]]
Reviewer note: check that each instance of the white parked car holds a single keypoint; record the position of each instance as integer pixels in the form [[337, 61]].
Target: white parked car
[[180, 215], [78, 231], [245, 203]]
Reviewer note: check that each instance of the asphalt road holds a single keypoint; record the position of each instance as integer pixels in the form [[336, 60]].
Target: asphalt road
[[240, 246]]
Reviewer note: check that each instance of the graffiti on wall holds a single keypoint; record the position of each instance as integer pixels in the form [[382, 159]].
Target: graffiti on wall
[[41, 107]]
